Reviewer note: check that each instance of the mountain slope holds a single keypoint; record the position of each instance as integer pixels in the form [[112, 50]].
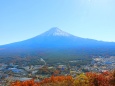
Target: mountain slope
[[56, 40]]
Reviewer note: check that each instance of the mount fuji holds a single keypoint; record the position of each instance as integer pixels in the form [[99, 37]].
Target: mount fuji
[[60, 42]]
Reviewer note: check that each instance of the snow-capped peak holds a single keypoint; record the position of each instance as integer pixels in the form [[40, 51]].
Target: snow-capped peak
[[55, 32]]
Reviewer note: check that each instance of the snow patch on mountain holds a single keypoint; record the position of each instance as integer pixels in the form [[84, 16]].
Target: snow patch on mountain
[[55, 32]]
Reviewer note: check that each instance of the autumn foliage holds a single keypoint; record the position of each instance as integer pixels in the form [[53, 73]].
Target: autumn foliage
[[87, 79]]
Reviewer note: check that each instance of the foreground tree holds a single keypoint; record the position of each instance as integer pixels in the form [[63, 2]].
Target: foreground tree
[[87, 79]]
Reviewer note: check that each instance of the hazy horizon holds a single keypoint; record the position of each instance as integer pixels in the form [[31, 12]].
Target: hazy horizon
[[24, 19]]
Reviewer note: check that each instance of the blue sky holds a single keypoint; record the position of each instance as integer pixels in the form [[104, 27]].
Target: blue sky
[[23, 19]]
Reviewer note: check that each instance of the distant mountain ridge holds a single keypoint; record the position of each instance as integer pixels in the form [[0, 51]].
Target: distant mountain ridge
[[58, 40]]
